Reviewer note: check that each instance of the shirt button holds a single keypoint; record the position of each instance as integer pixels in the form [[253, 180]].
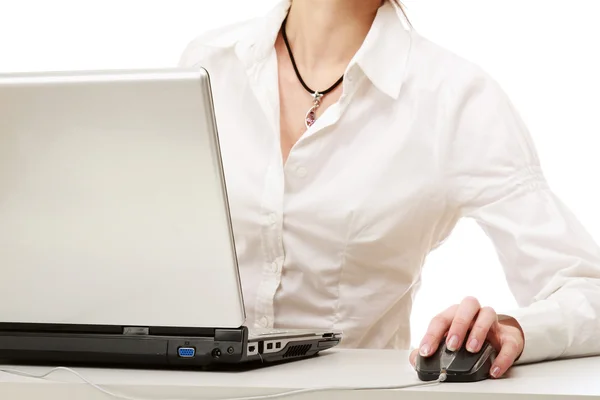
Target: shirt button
[[274, 267], [263, 322], [301, 171], [272, 219]]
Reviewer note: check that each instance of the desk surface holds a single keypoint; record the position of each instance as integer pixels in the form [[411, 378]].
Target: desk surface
[[335, 368]]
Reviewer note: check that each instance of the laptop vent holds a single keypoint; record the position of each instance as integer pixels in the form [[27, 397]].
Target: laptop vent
[[297, 351]]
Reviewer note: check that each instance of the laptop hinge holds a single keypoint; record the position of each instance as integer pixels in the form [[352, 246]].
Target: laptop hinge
[[136, 331], [232, 335]]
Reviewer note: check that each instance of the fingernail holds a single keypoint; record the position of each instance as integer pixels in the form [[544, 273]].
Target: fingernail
[[495, 372], [425, 350], [453, 343], [473, 345]]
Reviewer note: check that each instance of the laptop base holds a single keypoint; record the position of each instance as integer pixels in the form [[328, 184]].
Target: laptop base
[[139, 347]]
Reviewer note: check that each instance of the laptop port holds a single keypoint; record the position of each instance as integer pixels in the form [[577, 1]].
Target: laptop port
[[216, 353], [186, 352], [251, 349]]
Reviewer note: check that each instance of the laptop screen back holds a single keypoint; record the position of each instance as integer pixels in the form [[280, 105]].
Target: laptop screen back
[[112, 202]]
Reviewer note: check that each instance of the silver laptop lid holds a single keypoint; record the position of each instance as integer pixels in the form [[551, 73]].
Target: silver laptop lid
[[113, 209]]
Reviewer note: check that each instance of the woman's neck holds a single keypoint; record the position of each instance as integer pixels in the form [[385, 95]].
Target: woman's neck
[[326, 33]]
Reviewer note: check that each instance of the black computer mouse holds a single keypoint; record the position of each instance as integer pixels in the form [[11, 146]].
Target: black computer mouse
[[459, 366]]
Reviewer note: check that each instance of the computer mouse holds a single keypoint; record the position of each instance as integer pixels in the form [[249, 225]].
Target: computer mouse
[[459, 366]]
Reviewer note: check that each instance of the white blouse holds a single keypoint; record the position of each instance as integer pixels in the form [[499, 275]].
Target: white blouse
[[336, 238]]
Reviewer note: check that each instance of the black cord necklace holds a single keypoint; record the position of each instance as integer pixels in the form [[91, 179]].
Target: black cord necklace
[[311, 115]]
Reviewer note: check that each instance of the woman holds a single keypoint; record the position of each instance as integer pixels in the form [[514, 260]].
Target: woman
[[352, 146]]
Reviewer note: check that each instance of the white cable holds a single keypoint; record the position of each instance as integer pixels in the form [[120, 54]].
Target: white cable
[[92, 384], [441, 378]]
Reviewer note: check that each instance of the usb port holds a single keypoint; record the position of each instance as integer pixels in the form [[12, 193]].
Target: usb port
[[186, 352]]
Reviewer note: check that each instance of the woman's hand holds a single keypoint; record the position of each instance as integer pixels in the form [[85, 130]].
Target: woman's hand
[[506, 336]]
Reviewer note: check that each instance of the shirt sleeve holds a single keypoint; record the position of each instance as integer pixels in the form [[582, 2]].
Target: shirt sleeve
[[551, 263]]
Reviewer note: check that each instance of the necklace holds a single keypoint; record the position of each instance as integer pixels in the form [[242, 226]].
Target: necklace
[[311, 115]]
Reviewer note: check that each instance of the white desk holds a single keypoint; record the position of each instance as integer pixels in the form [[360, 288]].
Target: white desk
[[574, 379]]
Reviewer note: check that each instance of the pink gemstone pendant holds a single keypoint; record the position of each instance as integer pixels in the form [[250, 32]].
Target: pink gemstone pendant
[[311, 117]]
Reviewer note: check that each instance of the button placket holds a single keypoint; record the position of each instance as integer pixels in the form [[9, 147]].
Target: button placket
[[272, 250]]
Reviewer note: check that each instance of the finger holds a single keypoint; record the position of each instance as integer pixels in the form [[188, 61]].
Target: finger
[[506, 357], [494, 337], [435, 332], [486, 318], [413, 357], [465, 314]]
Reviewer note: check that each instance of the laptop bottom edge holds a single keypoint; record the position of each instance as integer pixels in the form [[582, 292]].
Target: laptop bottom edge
[[226, 349]]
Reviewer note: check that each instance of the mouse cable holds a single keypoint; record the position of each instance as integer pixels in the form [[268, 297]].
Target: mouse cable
[[441, 378]]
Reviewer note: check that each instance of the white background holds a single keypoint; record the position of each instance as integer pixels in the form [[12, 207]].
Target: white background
[[545, 53]]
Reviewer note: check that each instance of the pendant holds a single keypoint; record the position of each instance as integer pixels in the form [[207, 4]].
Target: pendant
[[311, 115]]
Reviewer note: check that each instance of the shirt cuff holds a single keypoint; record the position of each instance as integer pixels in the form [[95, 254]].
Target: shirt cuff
[[544, 329]]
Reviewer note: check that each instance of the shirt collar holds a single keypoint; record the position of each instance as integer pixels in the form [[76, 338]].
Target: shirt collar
[[384, 53], [382, 56]]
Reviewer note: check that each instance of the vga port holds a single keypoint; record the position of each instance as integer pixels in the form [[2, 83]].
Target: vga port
[[186, 352]]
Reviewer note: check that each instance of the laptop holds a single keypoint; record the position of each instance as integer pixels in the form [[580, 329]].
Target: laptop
[[116, 244]]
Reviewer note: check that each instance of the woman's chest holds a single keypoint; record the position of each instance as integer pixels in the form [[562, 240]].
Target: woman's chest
[[366, 179]]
